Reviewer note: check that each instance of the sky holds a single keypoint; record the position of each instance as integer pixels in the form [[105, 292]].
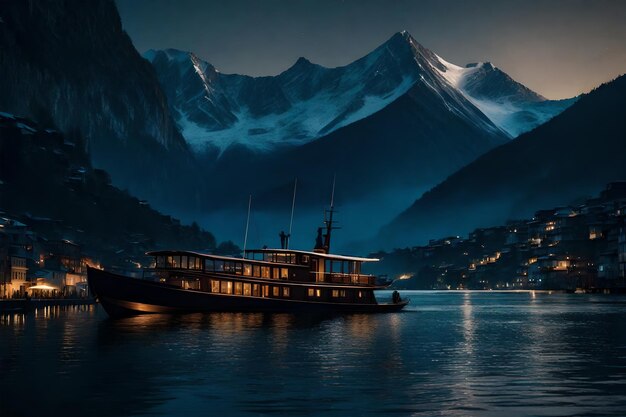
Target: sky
[[558, 48]]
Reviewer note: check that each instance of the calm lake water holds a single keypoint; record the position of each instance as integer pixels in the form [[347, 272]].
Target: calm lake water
[[449, 354]]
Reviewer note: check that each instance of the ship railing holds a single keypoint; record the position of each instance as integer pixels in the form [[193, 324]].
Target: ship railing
[[343, 278]]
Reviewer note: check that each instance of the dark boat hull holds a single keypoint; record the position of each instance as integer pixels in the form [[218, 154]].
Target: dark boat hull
[[123, 296]]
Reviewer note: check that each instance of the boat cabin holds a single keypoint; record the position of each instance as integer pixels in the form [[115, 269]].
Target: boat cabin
[[274, 264]]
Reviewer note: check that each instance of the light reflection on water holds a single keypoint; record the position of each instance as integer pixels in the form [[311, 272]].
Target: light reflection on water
[[450, 354]]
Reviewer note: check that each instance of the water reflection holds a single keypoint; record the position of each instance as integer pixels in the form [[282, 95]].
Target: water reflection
[[460, 354]]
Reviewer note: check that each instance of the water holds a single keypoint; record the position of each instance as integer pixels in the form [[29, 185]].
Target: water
[[450, 354]]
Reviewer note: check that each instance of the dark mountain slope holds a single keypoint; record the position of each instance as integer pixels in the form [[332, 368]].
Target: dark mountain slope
[[569, 157], [46, 180], [70, 65]]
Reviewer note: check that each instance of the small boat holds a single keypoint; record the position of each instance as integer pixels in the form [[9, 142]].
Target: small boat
[[264, 280]]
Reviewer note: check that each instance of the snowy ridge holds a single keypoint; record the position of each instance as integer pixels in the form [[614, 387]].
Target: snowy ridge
[[516, 110], [308, 101]]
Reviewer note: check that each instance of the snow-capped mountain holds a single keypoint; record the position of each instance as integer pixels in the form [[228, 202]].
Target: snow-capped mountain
[[309, 101], [510, 105]]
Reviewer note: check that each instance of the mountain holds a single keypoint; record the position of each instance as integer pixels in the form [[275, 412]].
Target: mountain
[[309, 101], [510, 105], [424, 130], [70, 65], [569, 157], [47, 181]]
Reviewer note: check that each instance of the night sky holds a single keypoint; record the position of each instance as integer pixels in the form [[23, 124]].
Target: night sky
[[557, 48]]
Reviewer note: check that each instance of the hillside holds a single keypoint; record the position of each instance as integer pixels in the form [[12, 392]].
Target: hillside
[[567, 158], [47, 181]]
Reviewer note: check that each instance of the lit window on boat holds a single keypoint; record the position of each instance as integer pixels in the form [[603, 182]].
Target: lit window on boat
[[275, 273], [170, 261], [266, 291], [215, 285], [256, 271], [311, 292], [285, 291], [238, 288], [183, 261], [360, 294], [284, 273], [318, 292], [276, 291], [247, 270], [238, 268], [335, 294], [226, 287], [191, 262], [256, 290], [265, 272], [247, 289], [175, 261]]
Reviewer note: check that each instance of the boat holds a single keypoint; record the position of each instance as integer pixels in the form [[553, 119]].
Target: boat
[[263, 280]]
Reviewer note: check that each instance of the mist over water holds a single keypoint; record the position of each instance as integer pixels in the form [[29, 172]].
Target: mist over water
[[449, 354], [360, 221]]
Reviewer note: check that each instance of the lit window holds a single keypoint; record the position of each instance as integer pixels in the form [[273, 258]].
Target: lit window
[[255, 290], [276, 291], [335, 293], [265, 272], [360, 294], [311, 292], [284, 273], [318, 293], [238, 288], [266, 291], [276, 273], [238, 268], [183, 261], [256, 271], [226, 287], [215, 285], [247, 289], [247, 270], [285, 291]]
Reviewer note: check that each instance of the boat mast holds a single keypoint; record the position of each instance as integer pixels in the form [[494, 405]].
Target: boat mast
[[245, 239], [293, 206], [329, 221]]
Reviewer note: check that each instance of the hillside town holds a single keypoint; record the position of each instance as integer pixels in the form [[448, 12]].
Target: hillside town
[[33, 266], [579, 248]]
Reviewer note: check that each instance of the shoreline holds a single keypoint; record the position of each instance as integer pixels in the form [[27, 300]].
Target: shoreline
[[23, 304]]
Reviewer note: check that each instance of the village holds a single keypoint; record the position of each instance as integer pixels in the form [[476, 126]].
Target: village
[[578, 248]]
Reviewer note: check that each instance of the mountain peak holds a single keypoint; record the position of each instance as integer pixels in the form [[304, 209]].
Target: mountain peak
[[302, 61], [404, 37], [488, 66]]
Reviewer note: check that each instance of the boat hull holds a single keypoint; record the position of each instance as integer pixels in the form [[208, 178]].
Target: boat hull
[[123, 296]]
